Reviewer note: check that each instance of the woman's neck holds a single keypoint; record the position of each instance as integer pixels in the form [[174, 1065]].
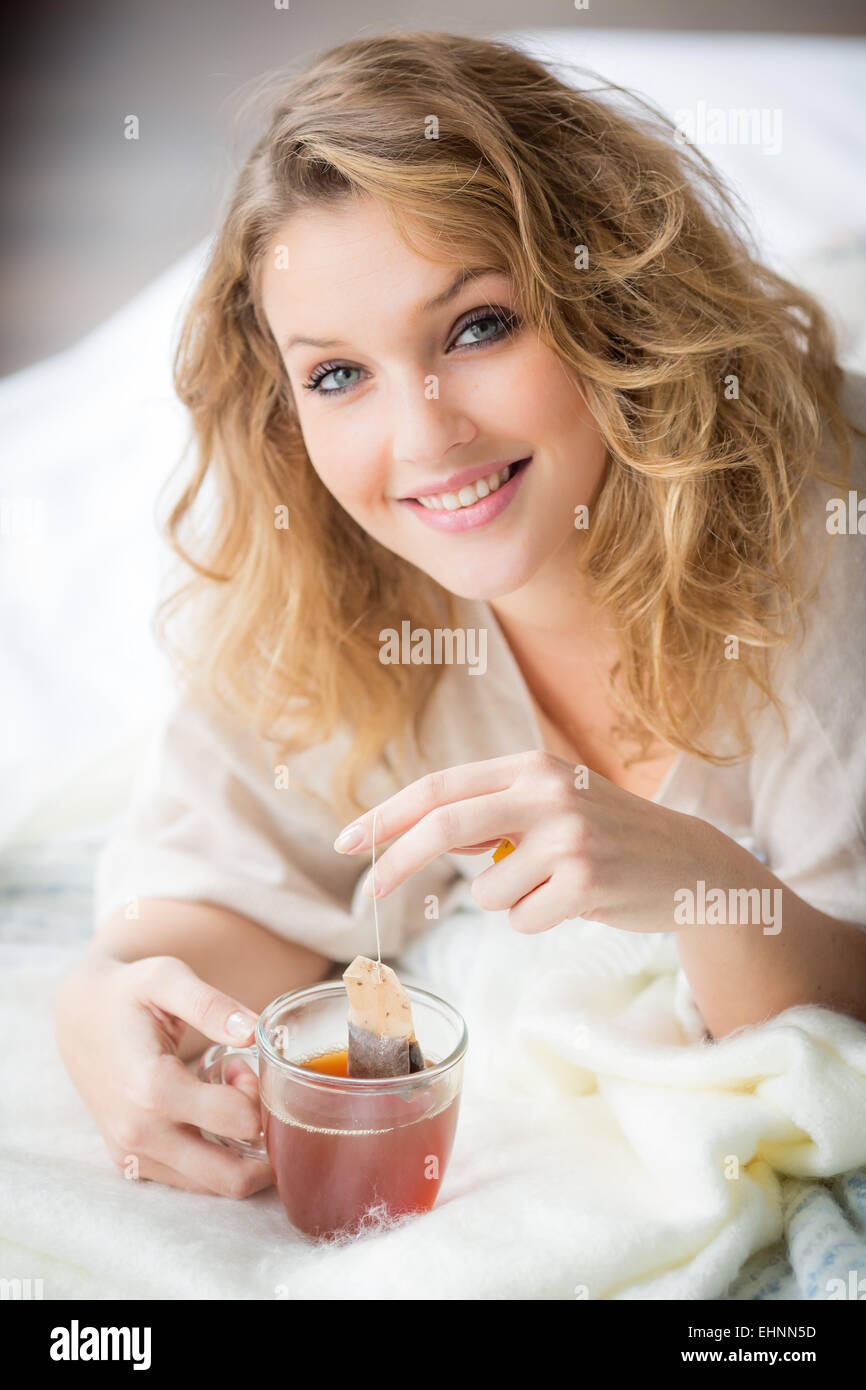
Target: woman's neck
[[566, 649], [553, 618]]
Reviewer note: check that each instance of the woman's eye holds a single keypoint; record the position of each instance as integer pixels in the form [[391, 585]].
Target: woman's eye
[[328, 370], [501, 321]]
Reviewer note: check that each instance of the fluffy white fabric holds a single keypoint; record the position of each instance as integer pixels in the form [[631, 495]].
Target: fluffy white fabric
[[603, 1150]]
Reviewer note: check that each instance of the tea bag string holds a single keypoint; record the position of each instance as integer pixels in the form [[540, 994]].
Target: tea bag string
[[375, 902]]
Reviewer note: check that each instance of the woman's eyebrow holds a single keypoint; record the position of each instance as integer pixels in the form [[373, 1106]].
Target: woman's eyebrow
[[463, 277]]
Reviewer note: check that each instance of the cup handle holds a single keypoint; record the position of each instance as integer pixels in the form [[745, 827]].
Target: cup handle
[[211, 1067]]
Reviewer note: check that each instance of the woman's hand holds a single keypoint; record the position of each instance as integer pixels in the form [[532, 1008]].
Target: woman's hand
[[593, 851], [118, 1026]]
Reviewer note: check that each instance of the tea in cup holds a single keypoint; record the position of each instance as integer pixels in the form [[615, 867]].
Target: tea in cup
[[345, 1151]]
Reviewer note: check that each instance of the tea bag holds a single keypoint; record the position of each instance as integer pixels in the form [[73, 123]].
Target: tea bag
[[382, 1038]]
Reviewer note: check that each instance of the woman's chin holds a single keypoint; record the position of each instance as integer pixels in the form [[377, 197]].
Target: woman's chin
[[481, 587]]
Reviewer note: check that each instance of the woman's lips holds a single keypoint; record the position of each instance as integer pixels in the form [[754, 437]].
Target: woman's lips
[[478, 514]]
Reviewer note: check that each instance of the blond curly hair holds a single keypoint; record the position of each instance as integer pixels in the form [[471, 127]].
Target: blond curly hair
[[696, 532]]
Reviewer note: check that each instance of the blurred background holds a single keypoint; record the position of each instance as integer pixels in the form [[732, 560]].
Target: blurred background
[[102, 239]]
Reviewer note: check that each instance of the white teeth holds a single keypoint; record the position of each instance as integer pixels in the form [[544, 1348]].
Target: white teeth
[[468, 495]]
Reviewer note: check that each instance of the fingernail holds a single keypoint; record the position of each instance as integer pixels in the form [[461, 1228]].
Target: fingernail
[[350, 838], [241, 1025]]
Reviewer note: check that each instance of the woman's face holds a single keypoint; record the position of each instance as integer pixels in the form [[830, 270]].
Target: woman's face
[[423, 387]]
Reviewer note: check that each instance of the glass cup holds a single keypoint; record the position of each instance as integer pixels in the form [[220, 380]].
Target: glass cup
[[347, 1152]]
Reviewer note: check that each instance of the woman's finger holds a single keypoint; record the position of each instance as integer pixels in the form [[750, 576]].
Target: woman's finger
[[168, 1088], [238, 1072], [482, 818], [406, 807], [545, 907], [149, 1170], [172, 985], [222, 1171], [505, 883]]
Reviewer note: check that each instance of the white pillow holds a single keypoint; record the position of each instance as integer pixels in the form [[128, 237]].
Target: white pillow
[[89, 437]]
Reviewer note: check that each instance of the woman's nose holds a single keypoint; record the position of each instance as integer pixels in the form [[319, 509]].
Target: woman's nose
[[427, 424]]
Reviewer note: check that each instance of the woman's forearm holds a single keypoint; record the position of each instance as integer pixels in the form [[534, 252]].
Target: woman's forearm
[[750, 966], [226, 949]]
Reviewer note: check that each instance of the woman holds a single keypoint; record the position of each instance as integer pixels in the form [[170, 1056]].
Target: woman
[[520, 461]]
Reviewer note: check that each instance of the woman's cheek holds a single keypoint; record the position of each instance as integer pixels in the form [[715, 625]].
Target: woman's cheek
[[359, 490], [337, 454]]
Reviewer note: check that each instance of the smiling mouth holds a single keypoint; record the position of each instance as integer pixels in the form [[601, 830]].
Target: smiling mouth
[[470, 493]]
